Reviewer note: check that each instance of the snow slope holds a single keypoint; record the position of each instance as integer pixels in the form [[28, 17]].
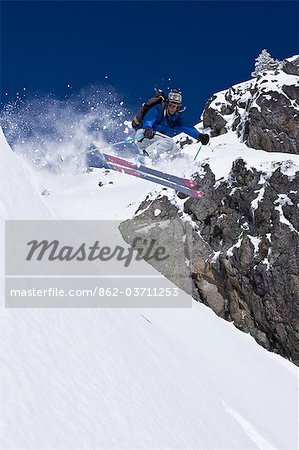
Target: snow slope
[[99, 379]]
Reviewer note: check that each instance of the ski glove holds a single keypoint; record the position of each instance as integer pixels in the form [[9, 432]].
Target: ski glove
[[203, 138], [149, 133]]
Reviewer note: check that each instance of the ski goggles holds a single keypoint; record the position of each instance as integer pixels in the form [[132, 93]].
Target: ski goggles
[[175, 98]]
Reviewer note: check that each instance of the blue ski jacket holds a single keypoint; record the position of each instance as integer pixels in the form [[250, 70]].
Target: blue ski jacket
[[170, 125]]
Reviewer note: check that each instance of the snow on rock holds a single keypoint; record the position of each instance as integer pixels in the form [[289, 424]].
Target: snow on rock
[[282, 200], [230, 251], [263, 111], [223, 150], [255, 242]]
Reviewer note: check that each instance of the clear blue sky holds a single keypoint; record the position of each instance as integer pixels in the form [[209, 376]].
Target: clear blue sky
[[203, 47]]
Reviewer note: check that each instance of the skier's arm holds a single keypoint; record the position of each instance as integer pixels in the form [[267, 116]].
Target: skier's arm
[[150, 117], [182, 127], [191, 131]]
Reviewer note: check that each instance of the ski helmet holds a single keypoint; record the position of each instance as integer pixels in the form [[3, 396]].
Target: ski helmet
[[175, 96]]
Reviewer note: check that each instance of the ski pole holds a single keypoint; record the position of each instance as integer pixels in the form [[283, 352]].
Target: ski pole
[[134, 139], [197, 153]]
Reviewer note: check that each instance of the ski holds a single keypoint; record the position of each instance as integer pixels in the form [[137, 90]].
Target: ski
[[163, 182], [157, 173]]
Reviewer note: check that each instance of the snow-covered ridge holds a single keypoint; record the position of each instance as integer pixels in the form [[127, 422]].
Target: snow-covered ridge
[[271, 80], [263, 111], [292, 58]]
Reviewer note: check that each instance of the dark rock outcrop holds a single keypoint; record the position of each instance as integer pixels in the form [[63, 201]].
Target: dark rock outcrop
[[291, 66], [244, 262], [212, 118], [264, 111]]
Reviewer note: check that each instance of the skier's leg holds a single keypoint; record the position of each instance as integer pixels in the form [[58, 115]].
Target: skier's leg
[[161, 144], [142, 143], [156, 146]]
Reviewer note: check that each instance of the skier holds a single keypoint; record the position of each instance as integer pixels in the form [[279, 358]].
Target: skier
[[157, 124]]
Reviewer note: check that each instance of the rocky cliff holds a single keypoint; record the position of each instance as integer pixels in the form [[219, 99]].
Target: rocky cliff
[[264, 111], [244, 258]]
